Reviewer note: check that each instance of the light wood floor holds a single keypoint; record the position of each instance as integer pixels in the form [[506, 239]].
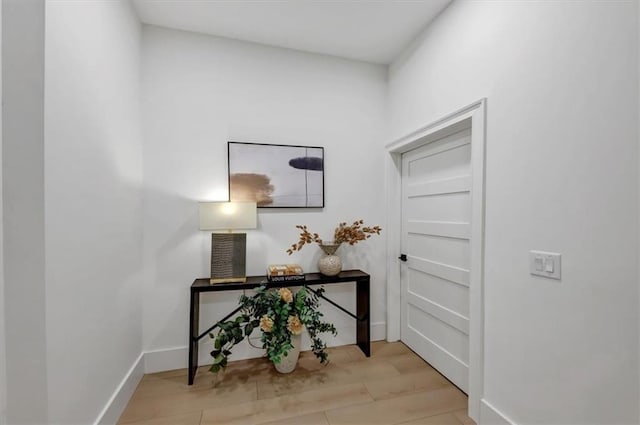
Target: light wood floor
[[393, 386]]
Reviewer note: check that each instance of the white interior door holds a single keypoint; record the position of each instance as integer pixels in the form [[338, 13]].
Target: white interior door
[[436, 236]]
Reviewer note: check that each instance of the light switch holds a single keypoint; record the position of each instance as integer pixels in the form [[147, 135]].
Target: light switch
[[548, 265], [538, 263], [545, 264]]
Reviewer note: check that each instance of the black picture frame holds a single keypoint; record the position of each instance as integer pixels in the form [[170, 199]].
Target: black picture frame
[[276, 175]]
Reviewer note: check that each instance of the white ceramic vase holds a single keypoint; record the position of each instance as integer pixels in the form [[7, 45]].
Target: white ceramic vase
[[289, 362], [330, 264]]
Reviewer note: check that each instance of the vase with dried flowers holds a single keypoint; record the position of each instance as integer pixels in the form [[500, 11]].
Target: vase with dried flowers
[[331, 264], [281, 316]]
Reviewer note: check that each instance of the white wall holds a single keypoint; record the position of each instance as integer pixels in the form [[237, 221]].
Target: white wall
[[198, 93], [23, 221], [3, 344], [562, 175], [93, 204]]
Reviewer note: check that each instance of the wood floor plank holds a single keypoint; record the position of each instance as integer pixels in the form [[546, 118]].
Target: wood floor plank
[[155, 386], [332, 375], [191, 418], [289, 406], [445, 419], [310, 419], [395, 386], [386, 349], [244, 371], [401, 409], [408, 362], [143, 408]]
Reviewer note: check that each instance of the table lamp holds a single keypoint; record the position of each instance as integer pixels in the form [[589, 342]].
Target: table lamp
[[228, 250]]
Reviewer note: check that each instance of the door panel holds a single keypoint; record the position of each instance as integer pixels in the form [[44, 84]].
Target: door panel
[[443, 165], [450, 251], [436, 231], [447, 338], [440, 291], [454, 207]]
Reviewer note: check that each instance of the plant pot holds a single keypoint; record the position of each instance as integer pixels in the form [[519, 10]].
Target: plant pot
[[330, 264], [289, 362]]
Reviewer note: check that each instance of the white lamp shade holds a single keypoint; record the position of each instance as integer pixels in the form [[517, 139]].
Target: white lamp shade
[[228, 215]]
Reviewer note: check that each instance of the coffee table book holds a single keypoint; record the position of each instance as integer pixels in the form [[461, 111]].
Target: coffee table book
[[285, 273]]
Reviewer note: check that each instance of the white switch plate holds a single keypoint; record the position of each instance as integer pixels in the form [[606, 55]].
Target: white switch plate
[[548, 260]]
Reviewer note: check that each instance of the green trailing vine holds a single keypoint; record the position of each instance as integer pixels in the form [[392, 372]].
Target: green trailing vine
[[279, 314]]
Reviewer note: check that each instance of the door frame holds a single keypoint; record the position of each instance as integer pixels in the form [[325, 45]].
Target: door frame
[[473, 116]]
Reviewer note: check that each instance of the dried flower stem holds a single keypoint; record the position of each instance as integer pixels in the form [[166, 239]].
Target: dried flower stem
[[343, 234]]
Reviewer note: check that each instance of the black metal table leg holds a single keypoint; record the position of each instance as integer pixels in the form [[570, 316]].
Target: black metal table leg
[[194, 321], [363, 327]]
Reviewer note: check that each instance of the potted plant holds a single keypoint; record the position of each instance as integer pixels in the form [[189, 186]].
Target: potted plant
[[281, 316], [331, 264]]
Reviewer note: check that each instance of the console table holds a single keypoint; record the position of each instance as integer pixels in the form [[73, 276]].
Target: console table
[[361, 279]]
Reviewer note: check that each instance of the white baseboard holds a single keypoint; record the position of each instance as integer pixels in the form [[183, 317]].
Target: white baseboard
[[178, 357], [166, 359], [118, 401], [489, 415], [378, 331]]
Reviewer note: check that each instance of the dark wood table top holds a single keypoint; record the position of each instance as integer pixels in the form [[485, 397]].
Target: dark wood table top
[[203, 285]]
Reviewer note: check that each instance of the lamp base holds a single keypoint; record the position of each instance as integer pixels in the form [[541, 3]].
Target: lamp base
[[228, 280], [228, 257]]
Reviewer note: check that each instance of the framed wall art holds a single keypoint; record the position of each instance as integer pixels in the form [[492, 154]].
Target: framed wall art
[[276, 176]]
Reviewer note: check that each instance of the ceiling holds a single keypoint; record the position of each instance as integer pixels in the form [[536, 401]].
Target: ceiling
[[366, 30]]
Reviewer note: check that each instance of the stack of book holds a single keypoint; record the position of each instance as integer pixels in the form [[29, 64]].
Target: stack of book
[[285, 273]]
